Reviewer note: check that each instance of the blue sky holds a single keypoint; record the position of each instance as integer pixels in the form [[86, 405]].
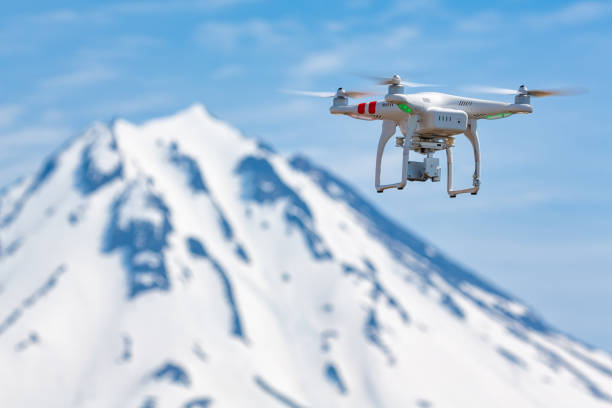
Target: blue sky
[[541, 226]]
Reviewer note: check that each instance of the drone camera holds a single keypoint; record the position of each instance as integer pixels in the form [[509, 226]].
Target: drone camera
[[432, 168], [429, 168]]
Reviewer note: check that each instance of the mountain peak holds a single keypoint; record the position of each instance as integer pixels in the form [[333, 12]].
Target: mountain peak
[[177, 257], [198, 109], [194, 127]]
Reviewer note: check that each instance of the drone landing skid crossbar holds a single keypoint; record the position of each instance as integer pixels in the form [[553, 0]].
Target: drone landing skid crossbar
[[472, 135], [407, 128]]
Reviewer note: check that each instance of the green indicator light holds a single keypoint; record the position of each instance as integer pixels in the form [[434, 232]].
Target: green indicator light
[[498, 116], [404, 108]]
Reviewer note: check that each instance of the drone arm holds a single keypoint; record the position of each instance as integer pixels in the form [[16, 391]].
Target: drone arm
[[388, 130], [472, 135]]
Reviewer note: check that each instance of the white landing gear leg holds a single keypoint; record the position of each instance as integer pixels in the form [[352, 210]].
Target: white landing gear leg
[[472, 136], [388, 130]]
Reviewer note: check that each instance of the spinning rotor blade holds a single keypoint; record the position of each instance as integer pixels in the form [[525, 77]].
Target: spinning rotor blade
[[309, 93], [357, 94], [416, 84], [538, 93], [396, 81], [349, 94], [554, 92], [493, 90]]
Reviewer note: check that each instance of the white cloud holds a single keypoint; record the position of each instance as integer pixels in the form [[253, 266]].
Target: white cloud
[[21, 151], [79, 78], [8, 114], [53, 116], [380, 46], [229, 36], [58, 16], [480, 22], [335, 26], [33, 136], [156, 7], [131, 8], [400, 36], [357, 4], [410, 7], [129, 46], [220, 35], [574, 14], [141, 104], [290, 109], [227, 71], [319, 64]]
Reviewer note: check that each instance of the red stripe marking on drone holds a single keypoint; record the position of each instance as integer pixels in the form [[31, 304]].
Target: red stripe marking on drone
[[372, 108], [361, 108]]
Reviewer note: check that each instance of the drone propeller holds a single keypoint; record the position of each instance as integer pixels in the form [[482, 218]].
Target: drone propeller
[[340, 92], [397, 80], [538, 93]]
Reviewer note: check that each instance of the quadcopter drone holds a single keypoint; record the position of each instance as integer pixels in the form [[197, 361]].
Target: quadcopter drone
[[428, 122]]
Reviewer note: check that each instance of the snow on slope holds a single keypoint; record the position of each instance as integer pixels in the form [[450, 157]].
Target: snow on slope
[[178, 264]]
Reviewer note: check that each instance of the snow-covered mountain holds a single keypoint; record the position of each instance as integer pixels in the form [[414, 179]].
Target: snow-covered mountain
[[179, 264]]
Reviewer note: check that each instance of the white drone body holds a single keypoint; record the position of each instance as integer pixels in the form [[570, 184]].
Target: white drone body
[[428, 122]]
